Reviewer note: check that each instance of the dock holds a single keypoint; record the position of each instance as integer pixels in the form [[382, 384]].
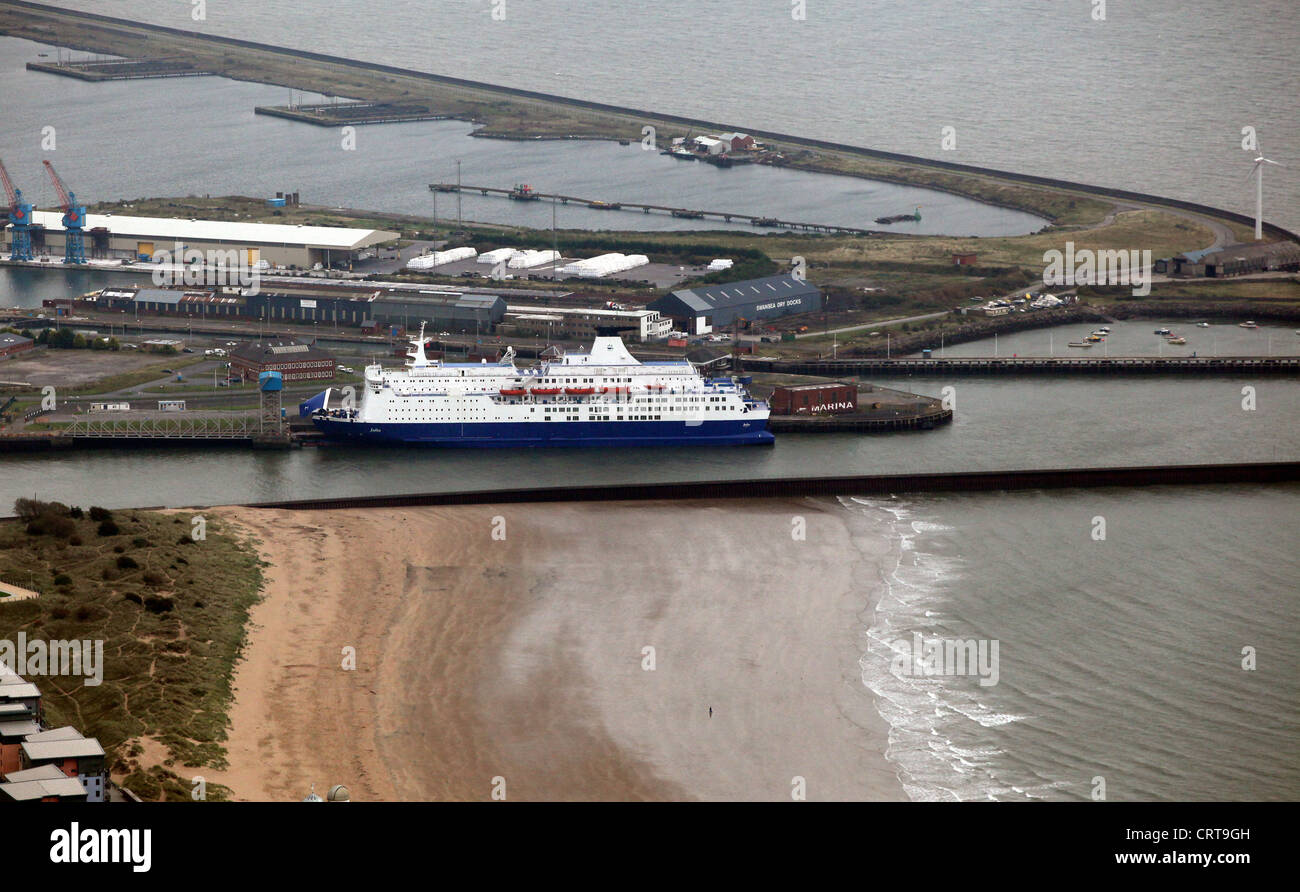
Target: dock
[[335, 114], [1025, 365], [684, 213], [120, 69]]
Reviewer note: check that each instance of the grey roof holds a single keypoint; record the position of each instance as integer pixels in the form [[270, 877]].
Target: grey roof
[[8, 340], [736, 294], [40, 772], [62, 749], [19, 691], [159, 295], [18, 728], [67, 732], [39, 789], [278, 351]]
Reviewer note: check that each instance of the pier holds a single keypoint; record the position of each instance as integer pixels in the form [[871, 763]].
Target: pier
[[120, 69], [684, 213], [335, 114], [829, 487], [1028, 365]]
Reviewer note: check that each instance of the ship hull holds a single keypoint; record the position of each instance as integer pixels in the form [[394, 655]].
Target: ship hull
[[738, 432]]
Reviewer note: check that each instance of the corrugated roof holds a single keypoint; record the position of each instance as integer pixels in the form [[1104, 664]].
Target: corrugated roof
[[336, 237], [732, 294]]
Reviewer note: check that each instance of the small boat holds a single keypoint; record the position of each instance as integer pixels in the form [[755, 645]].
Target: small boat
[[1094, 339], [544, 391], [1105, 329], [579, 391], [512, 391], [1080, 344], [1163, 331], [1248, 325], [1202, 325], [1176, 340]]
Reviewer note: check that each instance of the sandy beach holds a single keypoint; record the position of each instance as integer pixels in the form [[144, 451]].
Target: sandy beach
[[519, 660]]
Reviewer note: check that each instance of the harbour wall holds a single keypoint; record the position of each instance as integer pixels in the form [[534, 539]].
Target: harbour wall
[[962, 481]]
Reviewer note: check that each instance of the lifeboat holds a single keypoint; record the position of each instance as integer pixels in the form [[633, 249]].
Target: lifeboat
[[614, 390], [656, 386], [579, 391], [544, 391], [512, 391]]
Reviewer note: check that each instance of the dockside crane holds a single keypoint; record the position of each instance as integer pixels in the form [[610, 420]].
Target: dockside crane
[[74, 220], [20, 219]]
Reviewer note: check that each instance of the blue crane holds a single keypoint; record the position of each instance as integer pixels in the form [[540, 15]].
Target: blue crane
[[20, 219], [74, 220]]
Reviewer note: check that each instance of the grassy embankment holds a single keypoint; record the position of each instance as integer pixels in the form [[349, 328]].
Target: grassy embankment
[[171, 613]]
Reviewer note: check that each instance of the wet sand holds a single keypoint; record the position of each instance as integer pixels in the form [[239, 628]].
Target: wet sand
[[518, 665]]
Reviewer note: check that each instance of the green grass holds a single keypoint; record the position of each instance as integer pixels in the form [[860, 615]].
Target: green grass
[[172, 630]]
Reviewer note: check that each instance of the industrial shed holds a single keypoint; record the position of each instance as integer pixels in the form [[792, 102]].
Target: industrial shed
[[699, 310], [279, 244], [452, 312], [294, 361]]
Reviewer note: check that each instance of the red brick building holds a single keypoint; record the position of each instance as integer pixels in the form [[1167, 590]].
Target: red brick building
[[12, 343], [810, 399], [295, 361]]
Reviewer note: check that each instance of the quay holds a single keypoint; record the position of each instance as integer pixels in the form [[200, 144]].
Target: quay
[[334, 114], [685, 213], [120, 69], [1114, 365]]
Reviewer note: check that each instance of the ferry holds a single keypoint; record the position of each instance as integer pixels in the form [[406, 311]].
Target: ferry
[[604, 397]]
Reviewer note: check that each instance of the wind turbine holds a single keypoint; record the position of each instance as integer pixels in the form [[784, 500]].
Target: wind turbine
[[1259, 193]]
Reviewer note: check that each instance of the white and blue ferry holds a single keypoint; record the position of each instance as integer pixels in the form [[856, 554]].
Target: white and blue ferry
[[605, 397]]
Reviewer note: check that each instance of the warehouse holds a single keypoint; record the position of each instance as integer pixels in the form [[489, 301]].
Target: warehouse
[[295, 361], [700, 310], [278, 244], [478, 313], [12, 343], [582, 324]]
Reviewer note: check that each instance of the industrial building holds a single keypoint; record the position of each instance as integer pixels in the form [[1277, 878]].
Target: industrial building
[[700, 310], [12, 343], [814, 399], [278, 244], [360, 305], [583, 324], [294, 361]]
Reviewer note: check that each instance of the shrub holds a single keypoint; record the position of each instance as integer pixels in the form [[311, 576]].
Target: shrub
[[97, 513], [63, 579], [108, 528], [156, 604], [154, 579], [126, 562], [140, 542]]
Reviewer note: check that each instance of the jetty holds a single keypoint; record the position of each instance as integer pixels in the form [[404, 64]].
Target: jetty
[[681, 212]]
